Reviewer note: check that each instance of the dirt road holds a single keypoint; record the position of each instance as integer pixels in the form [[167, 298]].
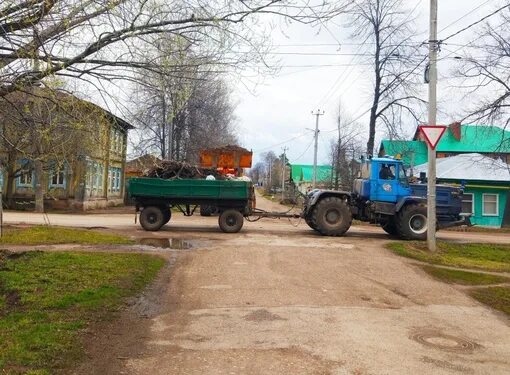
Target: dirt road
[[275, 299]]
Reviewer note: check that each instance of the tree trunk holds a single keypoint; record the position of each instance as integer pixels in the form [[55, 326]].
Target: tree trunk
[[9, 193], [39, 192], [371, 129], [377, 90]]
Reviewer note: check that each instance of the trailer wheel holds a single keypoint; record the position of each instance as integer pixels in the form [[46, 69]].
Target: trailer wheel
[[331, 216], [207, 210], [412, 222], [167, 214], [231, 221], [390, 227], [152, 218]]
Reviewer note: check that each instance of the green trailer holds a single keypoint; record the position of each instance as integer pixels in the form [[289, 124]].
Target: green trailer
[[154, 199]]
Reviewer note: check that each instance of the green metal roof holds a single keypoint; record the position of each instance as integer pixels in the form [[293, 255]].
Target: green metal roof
[[476, 138], [304, 173], [412, 152]]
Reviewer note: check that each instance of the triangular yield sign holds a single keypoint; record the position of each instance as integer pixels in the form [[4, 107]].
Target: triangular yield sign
[[433, 134]]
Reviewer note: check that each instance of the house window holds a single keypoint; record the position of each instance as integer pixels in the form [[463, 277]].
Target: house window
[[99, 176], [116, 140], [490, 205], [26, 179], [468, 206], [58, 177], [112, 139], [119, 175], [119, 141], [110, 179], [95, 174]]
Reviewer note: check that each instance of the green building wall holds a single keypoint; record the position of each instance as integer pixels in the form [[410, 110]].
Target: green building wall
[[478, 218]]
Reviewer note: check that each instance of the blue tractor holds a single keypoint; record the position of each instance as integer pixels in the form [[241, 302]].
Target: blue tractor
[[383, 196]]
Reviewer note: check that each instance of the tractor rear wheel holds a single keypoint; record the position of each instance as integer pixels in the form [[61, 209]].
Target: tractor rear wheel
[[310, 223], [412, 222], [331, 217], [152, 218], [231, 221], [390, 227]]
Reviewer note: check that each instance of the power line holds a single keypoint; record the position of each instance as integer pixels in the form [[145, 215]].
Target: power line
[[279, 144], [340, 77], [305, 151], [464, 16], [475, 23], [467, 44], [334, 87], [309, 53]]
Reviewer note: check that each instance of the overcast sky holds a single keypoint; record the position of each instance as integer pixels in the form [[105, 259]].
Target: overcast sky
[[318, 69]]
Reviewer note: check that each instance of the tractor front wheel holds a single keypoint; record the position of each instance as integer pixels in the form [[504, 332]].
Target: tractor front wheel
[[412, 222]]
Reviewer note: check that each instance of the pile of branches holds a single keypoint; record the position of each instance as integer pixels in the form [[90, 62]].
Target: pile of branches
[[175, 170]]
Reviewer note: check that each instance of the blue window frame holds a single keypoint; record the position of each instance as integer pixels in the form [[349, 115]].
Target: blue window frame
[[114, 179], [57, 177], [25, 179]]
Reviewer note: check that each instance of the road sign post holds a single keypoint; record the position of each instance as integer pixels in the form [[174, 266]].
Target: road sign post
[[432, 135], [432, 78]]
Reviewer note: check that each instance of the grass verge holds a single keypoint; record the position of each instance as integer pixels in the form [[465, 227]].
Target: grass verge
[[497, 297], [464, 277], [46, 299], [491, 257], [45, 235]]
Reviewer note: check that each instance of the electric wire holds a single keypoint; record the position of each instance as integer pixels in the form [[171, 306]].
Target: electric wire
[[281, 143], [475, 23], [304, 152], [464, 16]]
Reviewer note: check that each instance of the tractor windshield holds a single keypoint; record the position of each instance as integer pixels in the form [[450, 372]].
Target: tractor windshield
[[402, 176]]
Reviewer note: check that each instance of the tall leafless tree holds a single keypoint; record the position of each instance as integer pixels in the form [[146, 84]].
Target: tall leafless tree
[[387, 28], [344, 150], [84, 39], [486, 73]]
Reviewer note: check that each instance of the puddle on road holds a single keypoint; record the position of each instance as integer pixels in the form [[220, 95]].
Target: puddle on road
[[169, 243]]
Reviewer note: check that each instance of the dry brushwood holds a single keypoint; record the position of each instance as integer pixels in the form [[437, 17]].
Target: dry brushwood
[[175, 170]]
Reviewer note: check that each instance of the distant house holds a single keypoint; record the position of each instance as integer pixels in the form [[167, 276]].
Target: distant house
[[86, 177], [458, 139], [139, 166], [411, 152], [487, 186], [302, 176]]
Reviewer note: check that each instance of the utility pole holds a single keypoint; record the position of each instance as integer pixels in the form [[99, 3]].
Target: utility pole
[[284, 165], [431, 184], [316, 114]]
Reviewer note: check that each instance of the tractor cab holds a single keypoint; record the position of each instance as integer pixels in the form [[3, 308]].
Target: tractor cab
[[383, 180]]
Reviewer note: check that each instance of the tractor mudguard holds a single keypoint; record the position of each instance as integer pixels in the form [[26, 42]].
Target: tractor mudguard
[[412, 199]]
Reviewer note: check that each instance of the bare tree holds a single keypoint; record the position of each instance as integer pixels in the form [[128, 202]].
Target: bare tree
[[179, 115], [272, 170], [85, 39], [486, 76], [43, 130], [344, 150], [387, 27], [257, 173]]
